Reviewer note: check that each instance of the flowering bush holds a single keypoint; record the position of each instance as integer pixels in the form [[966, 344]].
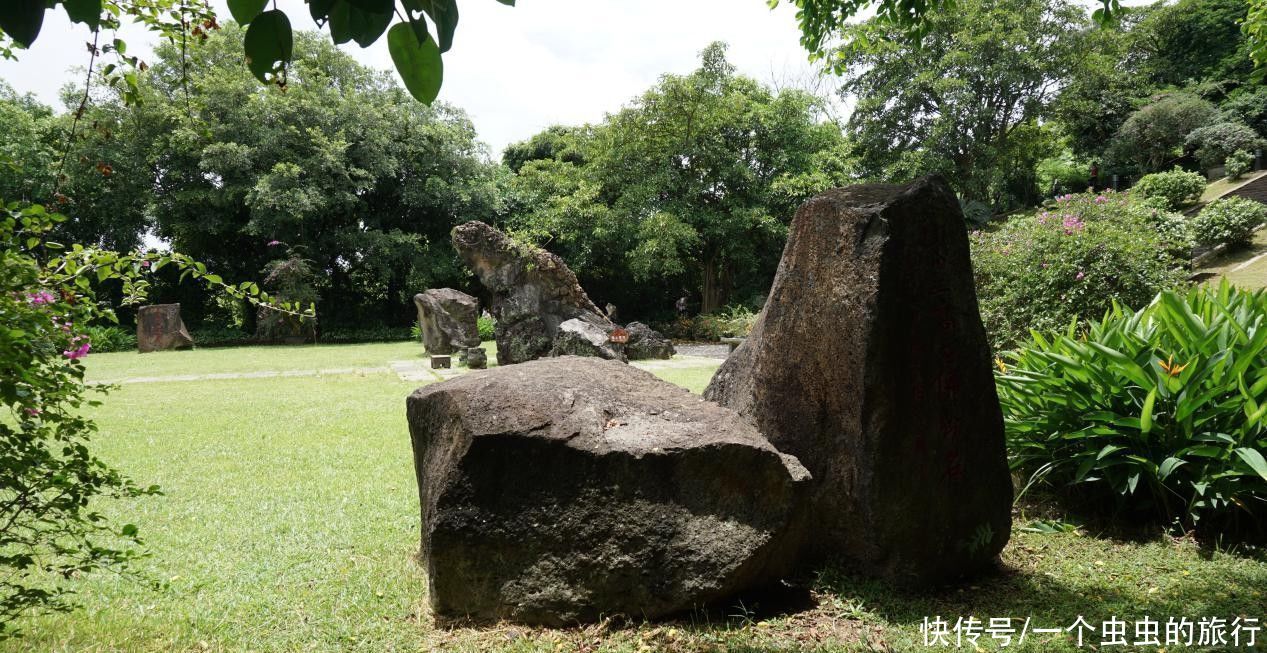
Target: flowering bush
[[1229, 220], [1178, 188], [50, 483], [1172, 228], [1068, 264], [1164, 410]]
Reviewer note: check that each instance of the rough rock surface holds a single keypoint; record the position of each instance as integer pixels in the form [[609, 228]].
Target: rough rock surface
[[476, 358], [568, 489], [870, 365], [448, 320], [580, 338], [645, 342], [533, 291], [159, 328]]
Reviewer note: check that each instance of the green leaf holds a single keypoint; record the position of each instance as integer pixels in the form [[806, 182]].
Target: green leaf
[[1254, 459], [419, 64], [351, 23], [1168, 467], [1146, 413], [444, 13], [268, 42], [320, 10], [87, 12], [508, 3], [245, 11], [22, 19]]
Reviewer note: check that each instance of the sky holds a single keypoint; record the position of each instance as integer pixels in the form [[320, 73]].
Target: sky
[[517, 70]]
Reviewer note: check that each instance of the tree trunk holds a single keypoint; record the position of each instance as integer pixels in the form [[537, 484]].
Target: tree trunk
[[717, 280]]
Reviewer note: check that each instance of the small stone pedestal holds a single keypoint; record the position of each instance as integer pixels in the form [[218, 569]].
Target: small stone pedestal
[[441, 362]]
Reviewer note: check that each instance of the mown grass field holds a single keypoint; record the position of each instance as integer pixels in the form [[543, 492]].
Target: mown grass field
[[290, 521]]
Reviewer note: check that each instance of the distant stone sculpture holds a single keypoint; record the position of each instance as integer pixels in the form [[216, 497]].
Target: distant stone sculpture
[[534, 293], [869, 363], [447, 319], [159, 328], [645, 342], [476, 358], [569, 489]]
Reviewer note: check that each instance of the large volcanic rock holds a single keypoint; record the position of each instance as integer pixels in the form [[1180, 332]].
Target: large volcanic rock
[[870, 365], [159, 328], [569, 489], [533, 291], [448, 320], [645, 342]]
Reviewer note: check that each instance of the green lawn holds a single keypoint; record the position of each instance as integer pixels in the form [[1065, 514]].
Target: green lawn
[[290, 518]]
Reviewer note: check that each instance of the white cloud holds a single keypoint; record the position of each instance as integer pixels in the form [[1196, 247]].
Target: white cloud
[[519, 69]]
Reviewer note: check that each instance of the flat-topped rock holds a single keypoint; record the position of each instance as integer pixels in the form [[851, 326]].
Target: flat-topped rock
[[569, 489], [869, 363], [448, 320], [160, 328]]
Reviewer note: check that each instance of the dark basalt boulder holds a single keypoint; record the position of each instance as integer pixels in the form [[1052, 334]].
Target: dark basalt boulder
[[579, 338], [159, 328], [447, 318], [533, 291], [870, 365], [646, 343], [570, 489]]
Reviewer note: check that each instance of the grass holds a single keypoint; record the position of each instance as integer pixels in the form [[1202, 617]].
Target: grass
[[290, 519], [1243, 266]]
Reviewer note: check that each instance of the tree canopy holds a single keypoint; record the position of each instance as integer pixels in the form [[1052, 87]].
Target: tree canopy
[[691, 184]]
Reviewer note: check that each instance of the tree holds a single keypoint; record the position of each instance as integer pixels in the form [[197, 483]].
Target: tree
[[1195, 41], [1152, 138], [693, 183], [967, 100], [341, 164]]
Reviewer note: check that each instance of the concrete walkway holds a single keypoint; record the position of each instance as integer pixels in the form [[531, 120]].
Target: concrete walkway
[[417, 370]]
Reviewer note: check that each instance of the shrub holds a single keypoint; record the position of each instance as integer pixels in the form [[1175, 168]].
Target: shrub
[[1178, 188], [1154, 135], [111, 338], [1173, 229], [487, 327], [1067, 264], [1229, 220], [1237, 164], [1161, 409], [1214, 143]]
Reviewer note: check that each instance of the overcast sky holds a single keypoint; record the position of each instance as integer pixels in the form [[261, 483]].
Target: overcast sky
[[519, 69]]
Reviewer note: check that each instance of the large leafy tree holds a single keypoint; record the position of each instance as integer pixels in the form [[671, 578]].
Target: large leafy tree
[[341, 167], [965, 101], [691, 185]]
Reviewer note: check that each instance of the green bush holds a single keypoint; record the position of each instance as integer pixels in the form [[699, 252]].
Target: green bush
[[1070, 263], [1161, 409], [1229, 220], [1178, 187], [111, 338], [487, 327], [1237, 164], [1172, 228], [1214, 143]]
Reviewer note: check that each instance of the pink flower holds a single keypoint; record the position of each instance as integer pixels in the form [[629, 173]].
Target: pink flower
[[41, 297], [78, 352], [1100, 199], [1080, 276], [145, 264], [33, 411], [274, 243]]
